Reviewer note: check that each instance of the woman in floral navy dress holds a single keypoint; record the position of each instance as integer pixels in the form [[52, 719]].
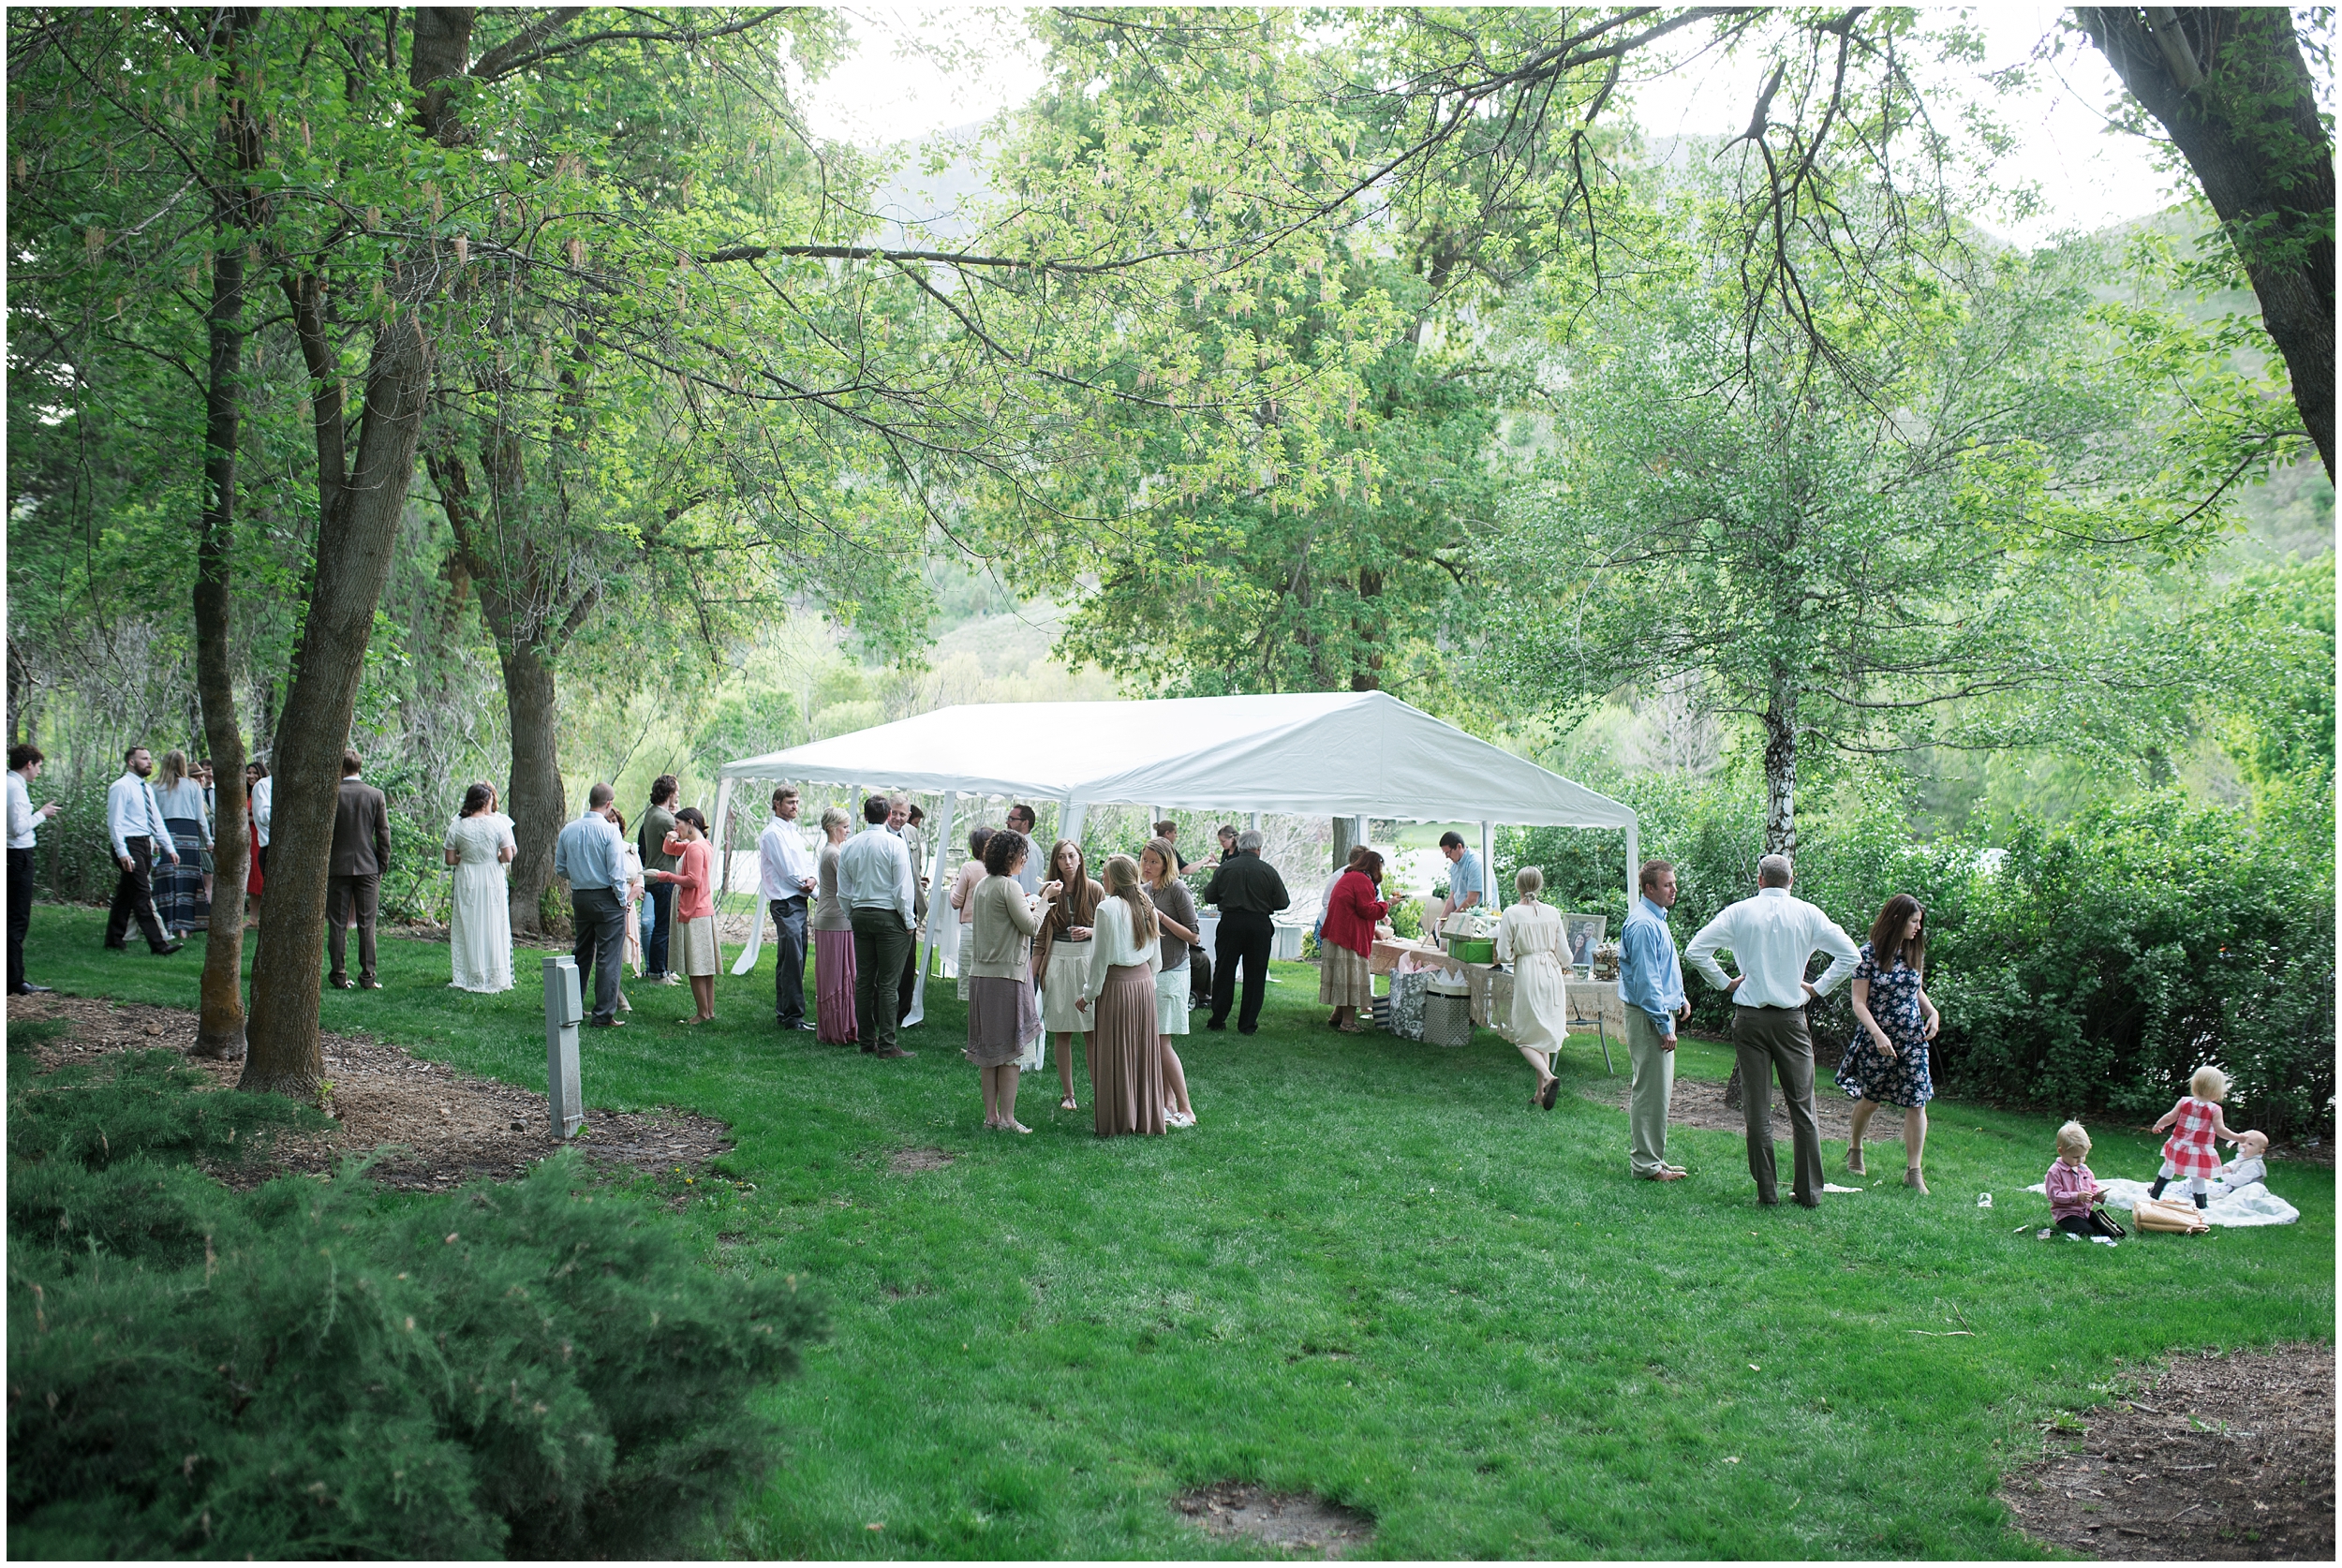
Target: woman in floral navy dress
[[1887, 1064]]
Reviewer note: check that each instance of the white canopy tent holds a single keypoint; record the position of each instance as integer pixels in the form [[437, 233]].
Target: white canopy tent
[[1323, 754]]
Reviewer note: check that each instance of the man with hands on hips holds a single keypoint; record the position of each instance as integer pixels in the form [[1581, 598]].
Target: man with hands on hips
[[1772, 937]]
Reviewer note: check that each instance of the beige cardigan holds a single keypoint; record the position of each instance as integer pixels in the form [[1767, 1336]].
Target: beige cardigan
[[998, 945]]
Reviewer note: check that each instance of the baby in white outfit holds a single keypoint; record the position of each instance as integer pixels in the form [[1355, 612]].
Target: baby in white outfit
[[2248, 1167]]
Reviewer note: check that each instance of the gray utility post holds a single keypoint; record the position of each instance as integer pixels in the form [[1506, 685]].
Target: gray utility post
[[563, 1014]]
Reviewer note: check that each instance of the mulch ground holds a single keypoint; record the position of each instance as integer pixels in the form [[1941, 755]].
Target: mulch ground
[[430, 1126], [1700, 1102], [2221, 1457], [1289, 1521]]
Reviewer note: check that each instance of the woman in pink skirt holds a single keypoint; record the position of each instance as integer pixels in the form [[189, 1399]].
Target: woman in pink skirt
[[1125, 1050], [833, 943]]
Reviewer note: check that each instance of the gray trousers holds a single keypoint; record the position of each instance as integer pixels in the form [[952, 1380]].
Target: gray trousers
[[599, 915], [881, 946], [1651, 1087], [1769, 1040]]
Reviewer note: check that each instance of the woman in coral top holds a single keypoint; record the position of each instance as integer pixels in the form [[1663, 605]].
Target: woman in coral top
[[1343, 981], [695, 910]]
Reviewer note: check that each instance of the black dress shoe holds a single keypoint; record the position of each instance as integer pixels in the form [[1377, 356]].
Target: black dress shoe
[[1248, 1029], [342, 982], [894, 1053], [1215, 1024], [1553, 1092], [613, 1022], [367, 983], [1809, 1203], [117, 947], [29, 989], [168, 949]]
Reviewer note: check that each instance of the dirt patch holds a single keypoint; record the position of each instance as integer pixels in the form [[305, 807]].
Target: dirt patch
[[1289, 1521], [439, 1127], [1700, 1102], [905, 1160], [2221, 1456]]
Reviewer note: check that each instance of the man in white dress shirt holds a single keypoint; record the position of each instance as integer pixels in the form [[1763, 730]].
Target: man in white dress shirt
[[788, 871], [1772, 937], [875, 883], [134, 821], [24, 763]]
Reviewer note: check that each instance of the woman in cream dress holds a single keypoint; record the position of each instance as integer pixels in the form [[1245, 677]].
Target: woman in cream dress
[[479, 927], [1529, 937], [1118, 994], [1062, 958]]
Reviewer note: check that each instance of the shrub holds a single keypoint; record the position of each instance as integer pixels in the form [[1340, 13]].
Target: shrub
[[2105, 960], [325, 1369]]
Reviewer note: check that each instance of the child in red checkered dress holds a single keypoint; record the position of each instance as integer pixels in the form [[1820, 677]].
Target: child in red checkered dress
[[2195, 1121]]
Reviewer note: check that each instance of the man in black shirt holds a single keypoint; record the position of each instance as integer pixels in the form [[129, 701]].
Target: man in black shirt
[[1248, 891]]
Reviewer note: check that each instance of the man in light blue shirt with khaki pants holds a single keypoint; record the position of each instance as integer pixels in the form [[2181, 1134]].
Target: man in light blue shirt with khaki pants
[[1651, 985]]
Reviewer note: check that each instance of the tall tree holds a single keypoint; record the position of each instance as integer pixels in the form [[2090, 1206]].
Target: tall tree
[[1928, 556], [2229, 85]]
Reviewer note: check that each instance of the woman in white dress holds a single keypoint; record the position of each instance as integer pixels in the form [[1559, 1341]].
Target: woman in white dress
[[479, 931], [1529, 937], [629, 867]]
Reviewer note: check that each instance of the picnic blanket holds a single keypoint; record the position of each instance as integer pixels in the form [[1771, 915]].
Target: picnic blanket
[[2253, 1205]]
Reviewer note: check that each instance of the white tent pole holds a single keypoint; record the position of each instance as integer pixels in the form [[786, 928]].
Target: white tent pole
[[1255, 821], [1492, 898], [1634, 868], [936, 906], [746, 961], [1070, 819]]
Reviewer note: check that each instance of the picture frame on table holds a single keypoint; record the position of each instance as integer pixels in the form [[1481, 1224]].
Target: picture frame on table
[[1581, 933]]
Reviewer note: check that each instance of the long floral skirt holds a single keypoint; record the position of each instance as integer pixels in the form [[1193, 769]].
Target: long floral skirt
[[1126, 1054], [179, 901], [833, 987], [1344, 979]]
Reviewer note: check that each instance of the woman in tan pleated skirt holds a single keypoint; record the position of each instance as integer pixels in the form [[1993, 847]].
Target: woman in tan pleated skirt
[[1125, 1051]]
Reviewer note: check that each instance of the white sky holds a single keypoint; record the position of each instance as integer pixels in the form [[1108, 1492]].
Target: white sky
[[915, 73]]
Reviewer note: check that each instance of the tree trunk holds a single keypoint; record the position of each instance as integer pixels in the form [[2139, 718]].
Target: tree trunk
[[219, 1032], [2230, 86], [355, 537], [1781, 770], [535, 799], [359, 510]]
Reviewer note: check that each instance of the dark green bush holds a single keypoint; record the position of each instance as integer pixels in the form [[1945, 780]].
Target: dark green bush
[[2088, 967], [2106, 960], [320, 1368]]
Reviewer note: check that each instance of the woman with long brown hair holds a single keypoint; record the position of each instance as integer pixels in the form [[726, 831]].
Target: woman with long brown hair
[[1887, 1063], [1118, 995], [1060, 960]]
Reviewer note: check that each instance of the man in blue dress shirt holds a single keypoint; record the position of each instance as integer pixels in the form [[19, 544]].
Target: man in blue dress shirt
[[587, 856], [1651, 983]]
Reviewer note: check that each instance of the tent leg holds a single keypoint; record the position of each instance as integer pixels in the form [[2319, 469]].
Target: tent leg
[[1070, 823], [1256, 824], [722, 857], [936, 906], [1495, 898]]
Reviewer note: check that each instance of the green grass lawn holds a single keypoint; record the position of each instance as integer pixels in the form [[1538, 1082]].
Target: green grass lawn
[[1373, 1272]]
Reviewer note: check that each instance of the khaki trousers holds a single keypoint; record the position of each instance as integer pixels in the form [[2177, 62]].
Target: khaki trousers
[[1651, 1088], [1769, 1040]]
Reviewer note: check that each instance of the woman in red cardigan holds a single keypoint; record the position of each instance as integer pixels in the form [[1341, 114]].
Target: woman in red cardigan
[[1344, 980]]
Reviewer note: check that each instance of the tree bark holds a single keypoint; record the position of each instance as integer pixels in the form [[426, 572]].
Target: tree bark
[[527, 647], [2230, 86], [219, 1032], [1779, 722], [220, 1023], [359, 510], [535, 797]]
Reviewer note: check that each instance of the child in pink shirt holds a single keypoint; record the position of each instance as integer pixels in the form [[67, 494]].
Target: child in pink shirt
[[2074, 1192]]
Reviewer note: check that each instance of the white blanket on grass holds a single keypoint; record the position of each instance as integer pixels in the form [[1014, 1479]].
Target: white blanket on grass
[[2250, 1204]]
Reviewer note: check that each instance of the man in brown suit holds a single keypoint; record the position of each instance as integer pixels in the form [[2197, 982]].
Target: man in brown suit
[[362, 852]]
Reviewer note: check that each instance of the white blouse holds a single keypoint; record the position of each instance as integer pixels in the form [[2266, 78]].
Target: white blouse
[[1112, 944]]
